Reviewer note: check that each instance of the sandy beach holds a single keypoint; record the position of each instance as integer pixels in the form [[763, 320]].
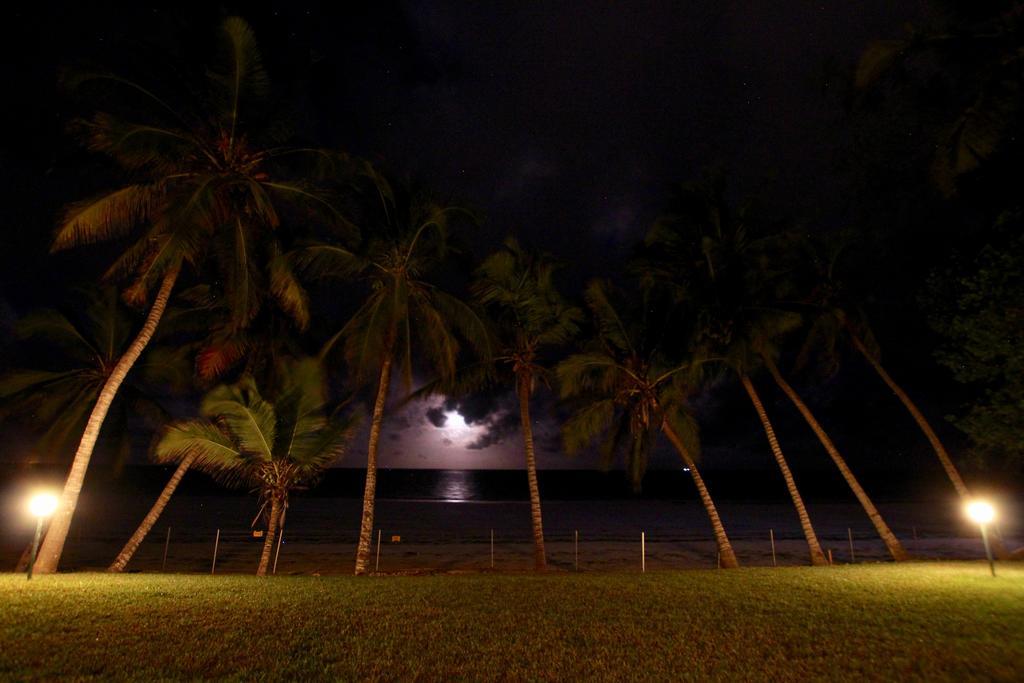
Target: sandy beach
[[443, 536]]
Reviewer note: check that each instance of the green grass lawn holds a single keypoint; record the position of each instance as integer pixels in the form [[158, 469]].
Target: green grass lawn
[[919, 621]]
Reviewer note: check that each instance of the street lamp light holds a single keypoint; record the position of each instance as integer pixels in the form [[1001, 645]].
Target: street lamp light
[[981, 513], [41, 505]]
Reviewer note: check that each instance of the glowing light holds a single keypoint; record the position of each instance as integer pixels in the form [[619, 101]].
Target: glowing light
[[686, 469], [42, 504], [455, 424], [980, 512]]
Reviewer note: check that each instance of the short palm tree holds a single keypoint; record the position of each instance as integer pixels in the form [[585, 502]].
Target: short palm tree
[[517, 288], [404, 315], [207, 184], [628, 395], [274, 446]]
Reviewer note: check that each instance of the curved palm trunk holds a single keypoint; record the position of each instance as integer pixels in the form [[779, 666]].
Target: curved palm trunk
[[53, 544], [940, 451], [370, 490], [125, 556], [540, 560], [726, 555], [817, 557], [268, 541], [998, 547], [890, 540]]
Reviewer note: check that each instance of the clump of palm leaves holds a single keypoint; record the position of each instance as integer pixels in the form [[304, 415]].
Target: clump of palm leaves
[[403, 314], [531, 318], [274, 444], [627, 392], [207, 179], [63, 357]]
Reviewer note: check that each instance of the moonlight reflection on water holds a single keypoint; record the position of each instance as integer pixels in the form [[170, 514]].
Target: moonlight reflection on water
[[457, 486]]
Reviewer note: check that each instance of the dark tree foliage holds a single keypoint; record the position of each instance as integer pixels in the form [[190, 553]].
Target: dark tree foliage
[[980, 315]]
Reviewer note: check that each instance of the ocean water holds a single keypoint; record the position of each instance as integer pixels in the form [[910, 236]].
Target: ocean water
[[444, 520]]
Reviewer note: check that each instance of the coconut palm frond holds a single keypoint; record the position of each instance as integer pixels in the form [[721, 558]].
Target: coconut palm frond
[[587, 424], [212, 447], [139, 146], [583, 372], [640, 446], [55, 330], [684, 424], [237, 74], [611, 329], [250, 421], [366, 334], [616, 440], [465, 322], [290, 295], [110, 216], [318, 202], [436, 339], [220, 355], [315, 261], [16, 382]]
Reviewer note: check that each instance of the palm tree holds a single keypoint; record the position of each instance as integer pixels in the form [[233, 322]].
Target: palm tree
[[762, 323], [743, 358], [258, 350], [719, 262], [206, 182], [403, 314], [629, 394], [274, 446], [836, 317], [892, 543], [532, 316], [80, 346]]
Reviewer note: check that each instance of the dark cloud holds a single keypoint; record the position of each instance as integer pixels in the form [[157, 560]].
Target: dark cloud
[[477, 408], [436, 416], [497, 412], [398, 423], [446, 441], [499, 426]]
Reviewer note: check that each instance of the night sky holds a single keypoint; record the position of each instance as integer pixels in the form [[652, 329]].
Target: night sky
[[564, 124]]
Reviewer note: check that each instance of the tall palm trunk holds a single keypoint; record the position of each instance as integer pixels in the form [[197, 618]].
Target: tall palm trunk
[[817, 557], [726, 555], [125, 556], [370, 490], [998, 547], [940, 451], [890, 540], [53, 545], [540, 560], [268, 541]]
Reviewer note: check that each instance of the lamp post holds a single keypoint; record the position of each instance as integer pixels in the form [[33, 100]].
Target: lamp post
[[982, 513], [41, 505]]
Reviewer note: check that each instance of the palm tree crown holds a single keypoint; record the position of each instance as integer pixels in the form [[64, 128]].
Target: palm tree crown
[[207, 180], [403, 314], [274, 446], [629, 394], [531, 316], [627, 387]]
